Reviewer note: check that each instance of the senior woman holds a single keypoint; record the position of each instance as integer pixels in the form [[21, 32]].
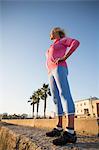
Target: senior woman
[[56, 57]]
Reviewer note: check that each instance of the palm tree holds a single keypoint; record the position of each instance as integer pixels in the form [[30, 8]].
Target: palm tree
[[38, 94], [45, 91], [33, 102]]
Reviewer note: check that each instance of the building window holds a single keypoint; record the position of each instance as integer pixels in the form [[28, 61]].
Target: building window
[[84, 103], [81, 110], [86, 111], [81, 104]]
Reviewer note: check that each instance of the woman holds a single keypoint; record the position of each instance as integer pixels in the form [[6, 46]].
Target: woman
[[57, 55]]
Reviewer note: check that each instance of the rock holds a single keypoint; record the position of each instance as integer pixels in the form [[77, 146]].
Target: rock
[[10, 140]]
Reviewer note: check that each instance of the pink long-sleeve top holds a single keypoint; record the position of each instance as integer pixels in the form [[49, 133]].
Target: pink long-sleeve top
[[58, 50]]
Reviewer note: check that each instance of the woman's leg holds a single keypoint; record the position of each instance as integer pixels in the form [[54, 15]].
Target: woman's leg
[[56, 98], [60, 75], [69, 136]]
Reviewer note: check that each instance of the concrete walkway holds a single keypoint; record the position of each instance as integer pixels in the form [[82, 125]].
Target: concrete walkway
[[30, 138]]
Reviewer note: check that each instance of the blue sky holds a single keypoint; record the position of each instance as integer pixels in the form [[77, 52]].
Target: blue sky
[[24, 38]]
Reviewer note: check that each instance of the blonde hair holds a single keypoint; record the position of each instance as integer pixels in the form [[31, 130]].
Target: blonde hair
[[58, 31]]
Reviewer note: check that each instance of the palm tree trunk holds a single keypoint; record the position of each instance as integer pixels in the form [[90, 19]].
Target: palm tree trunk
[[33, 111], [45, 109], [37, 108]]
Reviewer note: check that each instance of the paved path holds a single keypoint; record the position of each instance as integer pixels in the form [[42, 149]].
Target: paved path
[[38, 136]]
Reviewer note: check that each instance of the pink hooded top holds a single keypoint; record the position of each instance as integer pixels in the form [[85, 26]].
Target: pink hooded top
[[58, 50]]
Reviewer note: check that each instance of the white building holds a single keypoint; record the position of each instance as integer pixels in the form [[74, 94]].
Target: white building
[[87, 107]]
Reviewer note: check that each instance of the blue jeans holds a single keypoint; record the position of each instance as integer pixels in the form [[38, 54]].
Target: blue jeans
[[60, 90]]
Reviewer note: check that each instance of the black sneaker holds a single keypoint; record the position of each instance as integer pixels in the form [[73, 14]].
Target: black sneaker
[[54, 133], [65, 138]]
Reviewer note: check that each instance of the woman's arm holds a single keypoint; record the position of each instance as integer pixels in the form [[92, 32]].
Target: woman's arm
[[73, 47]]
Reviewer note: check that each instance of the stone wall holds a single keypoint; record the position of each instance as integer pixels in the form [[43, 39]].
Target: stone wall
[[19, 137], [88, 126]]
